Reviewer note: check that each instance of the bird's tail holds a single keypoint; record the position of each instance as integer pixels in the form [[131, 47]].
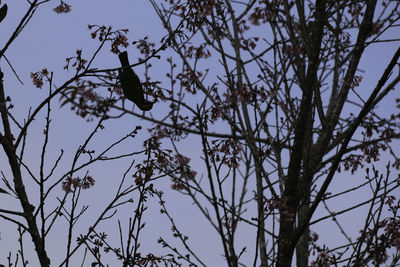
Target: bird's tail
[[3, 12], [123, 58]]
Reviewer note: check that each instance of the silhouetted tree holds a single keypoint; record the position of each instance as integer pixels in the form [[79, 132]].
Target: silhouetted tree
[[270, 97]]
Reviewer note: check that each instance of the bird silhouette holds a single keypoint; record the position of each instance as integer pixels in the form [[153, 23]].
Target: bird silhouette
[[3, 12], [130, 83]]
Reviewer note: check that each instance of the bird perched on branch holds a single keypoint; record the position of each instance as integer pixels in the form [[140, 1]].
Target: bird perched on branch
[[130, 84], [3, 12]]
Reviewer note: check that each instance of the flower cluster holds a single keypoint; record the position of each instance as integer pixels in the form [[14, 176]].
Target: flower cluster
[[78, 62], [37, 77], [62, 8], [227, 151], [117, 38], [72, 183]]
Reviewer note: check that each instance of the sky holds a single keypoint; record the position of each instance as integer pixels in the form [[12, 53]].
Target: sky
[[45, 43]]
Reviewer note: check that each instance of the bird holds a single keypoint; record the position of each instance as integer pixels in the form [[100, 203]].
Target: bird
[[130, 84], [3, 12]]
